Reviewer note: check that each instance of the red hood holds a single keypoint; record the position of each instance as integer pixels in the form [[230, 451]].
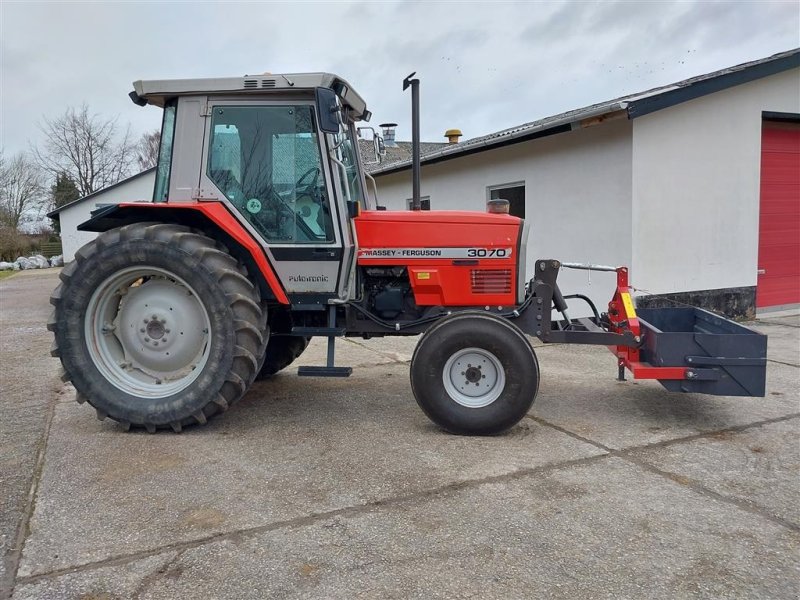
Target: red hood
[[437, 216]]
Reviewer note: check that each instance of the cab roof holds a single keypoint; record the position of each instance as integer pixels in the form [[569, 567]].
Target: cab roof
[[158, 91]]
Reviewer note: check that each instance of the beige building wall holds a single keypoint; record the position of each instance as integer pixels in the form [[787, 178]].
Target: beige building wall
[[696, 185]]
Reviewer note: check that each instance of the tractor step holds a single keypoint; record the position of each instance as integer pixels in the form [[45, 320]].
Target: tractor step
[[331, 331], [307, 371]]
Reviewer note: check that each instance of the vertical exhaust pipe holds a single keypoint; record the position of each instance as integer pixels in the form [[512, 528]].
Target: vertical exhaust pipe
[[416, 203]]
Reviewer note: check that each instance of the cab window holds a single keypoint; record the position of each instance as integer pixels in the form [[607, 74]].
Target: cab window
[[266, 160]]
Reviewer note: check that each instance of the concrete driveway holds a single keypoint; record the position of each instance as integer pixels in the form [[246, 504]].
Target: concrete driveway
[[343, 489]]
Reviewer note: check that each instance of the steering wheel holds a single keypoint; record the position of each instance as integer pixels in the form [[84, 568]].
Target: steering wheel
[[311, 184]]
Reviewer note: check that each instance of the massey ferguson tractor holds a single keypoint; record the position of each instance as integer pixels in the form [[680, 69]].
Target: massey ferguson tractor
[[263, 233]]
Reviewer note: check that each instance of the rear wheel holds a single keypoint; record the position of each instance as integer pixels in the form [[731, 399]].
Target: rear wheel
[[474, 374], [282, 350], [158, 326]]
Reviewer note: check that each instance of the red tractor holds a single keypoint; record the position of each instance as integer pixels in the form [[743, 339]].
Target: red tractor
[[263, 233]]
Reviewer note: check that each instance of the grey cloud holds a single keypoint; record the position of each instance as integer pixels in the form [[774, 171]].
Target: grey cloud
[[483, 66]]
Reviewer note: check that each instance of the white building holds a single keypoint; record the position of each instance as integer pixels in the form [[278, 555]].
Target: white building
[[695, 186], [133, 189]]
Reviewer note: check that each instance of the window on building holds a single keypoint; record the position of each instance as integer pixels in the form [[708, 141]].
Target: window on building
[[514, 193], [425, 202]]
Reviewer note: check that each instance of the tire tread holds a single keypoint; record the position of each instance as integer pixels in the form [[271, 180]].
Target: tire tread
[[241, 294]]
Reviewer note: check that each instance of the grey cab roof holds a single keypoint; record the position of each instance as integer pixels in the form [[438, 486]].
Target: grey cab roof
[[630, 106], [157, 91]]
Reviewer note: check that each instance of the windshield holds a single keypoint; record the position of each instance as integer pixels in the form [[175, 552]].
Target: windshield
[[350, 177], [267, 162]]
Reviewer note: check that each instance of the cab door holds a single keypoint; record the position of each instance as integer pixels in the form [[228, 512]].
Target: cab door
[[264, 159]]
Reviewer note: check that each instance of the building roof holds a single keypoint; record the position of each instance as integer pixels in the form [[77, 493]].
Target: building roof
[[630, 107], [399, 153], [54, 213]]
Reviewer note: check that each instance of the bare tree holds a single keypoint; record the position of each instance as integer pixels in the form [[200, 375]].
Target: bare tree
[[90, 149], [21, 190], [147, 149]]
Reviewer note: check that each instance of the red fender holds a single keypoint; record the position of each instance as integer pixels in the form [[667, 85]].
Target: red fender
[[220, 216]]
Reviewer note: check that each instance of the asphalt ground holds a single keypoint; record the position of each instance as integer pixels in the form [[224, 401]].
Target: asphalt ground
[[315, 488]]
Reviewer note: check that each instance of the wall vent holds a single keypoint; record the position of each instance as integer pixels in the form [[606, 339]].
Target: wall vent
[[267, 83], [250, 83], [491, 281]]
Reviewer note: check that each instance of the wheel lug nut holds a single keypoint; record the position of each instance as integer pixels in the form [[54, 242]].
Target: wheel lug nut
[[163, 320], [164, 340], [155, 317], [146, 339], [142, 329], [156, 344], [166, 331], [145, 321]]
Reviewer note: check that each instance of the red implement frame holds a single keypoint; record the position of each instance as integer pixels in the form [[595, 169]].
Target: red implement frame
[[622, 317]]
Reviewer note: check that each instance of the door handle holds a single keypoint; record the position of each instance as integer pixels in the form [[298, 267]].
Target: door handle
[[761, 272]]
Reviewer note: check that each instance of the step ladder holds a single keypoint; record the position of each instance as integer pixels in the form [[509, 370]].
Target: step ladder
[[331, 332]]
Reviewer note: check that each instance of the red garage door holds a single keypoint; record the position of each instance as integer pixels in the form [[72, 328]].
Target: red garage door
[[779, 225]]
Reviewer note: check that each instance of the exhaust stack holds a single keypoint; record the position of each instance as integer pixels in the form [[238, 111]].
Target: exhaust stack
[[416, 203]]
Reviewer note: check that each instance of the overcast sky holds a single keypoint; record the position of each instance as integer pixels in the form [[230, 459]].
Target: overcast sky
[[483, 66]]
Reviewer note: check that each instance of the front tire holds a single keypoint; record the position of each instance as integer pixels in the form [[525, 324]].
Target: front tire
[[157, 326], [474, 374]]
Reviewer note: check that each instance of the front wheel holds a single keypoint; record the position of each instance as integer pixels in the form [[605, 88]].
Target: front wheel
[[474, 374]]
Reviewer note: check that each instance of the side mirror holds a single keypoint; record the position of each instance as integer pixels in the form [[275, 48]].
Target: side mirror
[[380, 147], [377, 145], [330, 113]]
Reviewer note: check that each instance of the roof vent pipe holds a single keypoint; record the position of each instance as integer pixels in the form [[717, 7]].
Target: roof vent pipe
[[452, 135], [388, 134]]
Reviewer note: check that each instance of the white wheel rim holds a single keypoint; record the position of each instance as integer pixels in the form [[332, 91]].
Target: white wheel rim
[[147, 332], [474, 377]]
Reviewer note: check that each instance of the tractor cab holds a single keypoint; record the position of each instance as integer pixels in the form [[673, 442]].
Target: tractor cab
[[281, 153]]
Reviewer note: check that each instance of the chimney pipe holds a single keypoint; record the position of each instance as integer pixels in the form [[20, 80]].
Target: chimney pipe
[[452, 135], [388, 134]]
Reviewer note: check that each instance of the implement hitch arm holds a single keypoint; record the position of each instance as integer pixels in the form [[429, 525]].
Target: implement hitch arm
[[545, 296], [619, 329]]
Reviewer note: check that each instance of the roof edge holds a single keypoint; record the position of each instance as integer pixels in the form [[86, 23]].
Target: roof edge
[[636, 105], [54, 213], [559, 124], [723, 81]]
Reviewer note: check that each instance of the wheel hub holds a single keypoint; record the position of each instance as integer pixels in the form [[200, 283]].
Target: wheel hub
[[473, 377], [154, 333], [155, 328], [473, 374], [161, 328]]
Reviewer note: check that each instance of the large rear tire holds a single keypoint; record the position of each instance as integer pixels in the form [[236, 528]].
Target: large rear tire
[[157, 326], [474, 374], [282, 350]]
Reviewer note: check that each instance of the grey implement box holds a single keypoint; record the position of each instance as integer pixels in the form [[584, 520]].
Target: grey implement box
[[722, 357]]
